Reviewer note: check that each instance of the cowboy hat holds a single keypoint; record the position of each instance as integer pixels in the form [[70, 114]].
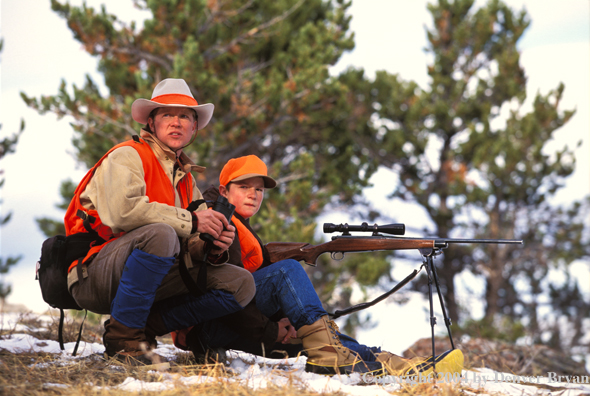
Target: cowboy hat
[[171, 92], [243, 168]]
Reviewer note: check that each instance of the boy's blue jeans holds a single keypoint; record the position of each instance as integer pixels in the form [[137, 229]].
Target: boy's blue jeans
[[284, 286]]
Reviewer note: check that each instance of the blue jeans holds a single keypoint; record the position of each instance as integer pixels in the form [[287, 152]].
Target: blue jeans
[[284, 286]]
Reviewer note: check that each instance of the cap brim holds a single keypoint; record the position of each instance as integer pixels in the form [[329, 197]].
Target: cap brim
[[141, 109], [269, 182]]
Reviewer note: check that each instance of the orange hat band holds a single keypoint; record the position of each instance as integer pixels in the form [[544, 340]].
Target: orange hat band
[[170, 99]]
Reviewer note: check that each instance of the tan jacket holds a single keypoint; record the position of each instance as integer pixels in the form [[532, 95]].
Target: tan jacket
[[117, 190]]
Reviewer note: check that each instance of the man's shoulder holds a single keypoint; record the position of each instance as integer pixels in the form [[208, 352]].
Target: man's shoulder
[[126, 150], [125, 154]]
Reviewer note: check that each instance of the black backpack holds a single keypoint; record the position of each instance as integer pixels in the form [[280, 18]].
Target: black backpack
[[57, 254]]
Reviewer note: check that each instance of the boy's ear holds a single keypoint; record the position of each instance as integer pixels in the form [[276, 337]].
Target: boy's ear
[[223, 191]]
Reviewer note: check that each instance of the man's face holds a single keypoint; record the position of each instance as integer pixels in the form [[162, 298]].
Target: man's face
[[245, 195], [173, 126]]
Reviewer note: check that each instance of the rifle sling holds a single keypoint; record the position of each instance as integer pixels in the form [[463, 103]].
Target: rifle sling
[[382, 297]]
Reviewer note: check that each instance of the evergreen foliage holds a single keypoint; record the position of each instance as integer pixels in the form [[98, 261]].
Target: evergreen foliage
[[264, 64], [475, 176]]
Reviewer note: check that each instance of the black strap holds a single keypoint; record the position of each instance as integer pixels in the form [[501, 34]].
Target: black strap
[[60, 333], [80, 333], [79, 271], [195, 205], [199, 287], [382, 297], [87, 222]]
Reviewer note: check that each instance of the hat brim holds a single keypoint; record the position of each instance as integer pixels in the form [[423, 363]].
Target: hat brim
[[269, 182], [141, 109]]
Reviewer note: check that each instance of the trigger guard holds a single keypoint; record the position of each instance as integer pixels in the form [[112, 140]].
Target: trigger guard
[[338, 256]]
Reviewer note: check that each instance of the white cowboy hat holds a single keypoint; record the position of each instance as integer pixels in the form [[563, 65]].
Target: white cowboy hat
[[171, 92]]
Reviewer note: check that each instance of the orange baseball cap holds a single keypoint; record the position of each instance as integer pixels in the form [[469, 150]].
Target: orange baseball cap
[[243, 168]]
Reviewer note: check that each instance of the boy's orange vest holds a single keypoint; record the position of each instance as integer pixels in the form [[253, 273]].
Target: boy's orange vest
[[158, 189], [252, 256]]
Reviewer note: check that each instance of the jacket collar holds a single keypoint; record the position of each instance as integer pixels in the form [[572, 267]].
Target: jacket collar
[[162, 150]]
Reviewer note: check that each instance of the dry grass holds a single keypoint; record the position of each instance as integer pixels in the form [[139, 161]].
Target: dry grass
[[32, 373], [43, 374]]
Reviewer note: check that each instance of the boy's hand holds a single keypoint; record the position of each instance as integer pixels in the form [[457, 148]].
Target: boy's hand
[[286, 331]]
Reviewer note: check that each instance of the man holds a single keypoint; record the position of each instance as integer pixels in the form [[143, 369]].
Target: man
[[135, 201], [283, 290]]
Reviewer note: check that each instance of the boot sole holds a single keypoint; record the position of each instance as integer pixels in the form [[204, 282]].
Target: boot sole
[[446, 364], [373, 368]]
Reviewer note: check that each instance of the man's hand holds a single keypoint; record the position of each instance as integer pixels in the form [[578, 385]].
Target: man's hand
[[286, 331], [225, 240], [216, 225]]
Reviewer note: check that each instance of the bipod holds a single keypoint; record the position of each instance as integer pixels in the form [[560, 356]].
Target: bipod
[[428, 262]]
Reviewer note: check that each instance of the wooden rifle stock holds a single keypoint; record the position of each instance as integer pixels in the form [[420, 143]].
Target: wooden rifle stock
[[301, 251]]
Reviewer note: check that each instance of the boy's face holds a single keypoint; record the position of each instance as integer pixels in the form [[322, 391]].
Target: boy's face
[[245, 195]]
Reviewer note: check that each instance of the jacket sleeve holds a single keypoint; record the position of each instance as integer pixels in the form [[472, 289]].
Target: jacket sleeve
[[118, 192]]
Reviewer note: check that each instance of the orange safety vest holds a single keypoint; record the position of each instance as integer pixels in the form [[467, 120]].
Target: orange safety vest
[[252, 256], [158, 189]]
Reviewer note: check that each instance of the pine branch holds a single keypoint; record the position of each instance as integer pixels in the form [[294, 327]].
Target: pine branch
[[254, 32]]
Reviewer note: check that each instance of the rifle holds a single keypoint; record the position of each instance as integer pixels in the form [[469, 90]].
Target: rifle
[[347, 243]]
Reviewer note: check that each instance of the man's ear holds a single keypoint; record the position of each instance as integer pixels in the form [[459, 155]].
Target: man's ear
[[223, 191]]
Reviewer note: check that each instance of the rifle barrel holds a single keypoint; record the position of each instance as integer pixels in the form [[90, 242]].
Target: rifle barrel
[[439, 240], [460, 240]]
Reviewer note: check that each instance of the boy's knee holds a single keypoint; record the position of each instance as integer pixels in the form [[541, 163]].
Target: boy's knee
[[290, 265]]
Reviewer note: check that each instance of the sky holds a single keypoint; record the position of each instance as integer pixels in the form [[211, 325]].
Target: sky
[[39, 51]]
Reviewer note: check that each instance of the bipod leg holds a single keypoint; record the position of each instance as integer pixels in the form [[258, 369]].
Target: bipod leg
[[442, 304], [428, 264]]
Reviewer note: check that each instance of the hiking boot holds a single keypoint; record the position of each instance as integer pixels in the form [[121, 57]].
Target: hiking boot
[[211, 356], [447, 364], [203, 353], [130, 346], [327, 355]]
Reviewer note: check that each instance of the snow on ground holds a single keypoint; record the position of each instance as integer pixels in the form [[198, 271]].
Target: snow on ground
[[257, 372]]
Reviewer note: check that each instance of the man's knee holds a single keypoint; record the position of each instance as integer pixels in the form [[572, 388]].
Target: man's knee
[[245, 293], [159, 239], [235, 280]]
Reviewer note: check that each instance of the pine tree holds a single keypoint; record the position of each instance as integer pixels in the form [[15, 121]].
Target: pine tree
[[475, 178], [263, 64]]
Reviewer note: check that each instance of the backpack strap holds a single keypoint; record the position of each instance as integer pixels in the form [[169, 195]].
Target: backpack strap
[[88, 220], [60, 335]]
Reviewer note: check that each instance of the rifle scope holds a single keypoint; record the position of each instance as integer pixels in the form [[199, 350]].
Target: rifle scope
[[394, 229]]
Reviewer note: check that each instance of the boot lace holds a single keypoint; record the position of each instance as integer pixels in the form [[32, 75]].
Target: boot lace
[[334, 326]]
